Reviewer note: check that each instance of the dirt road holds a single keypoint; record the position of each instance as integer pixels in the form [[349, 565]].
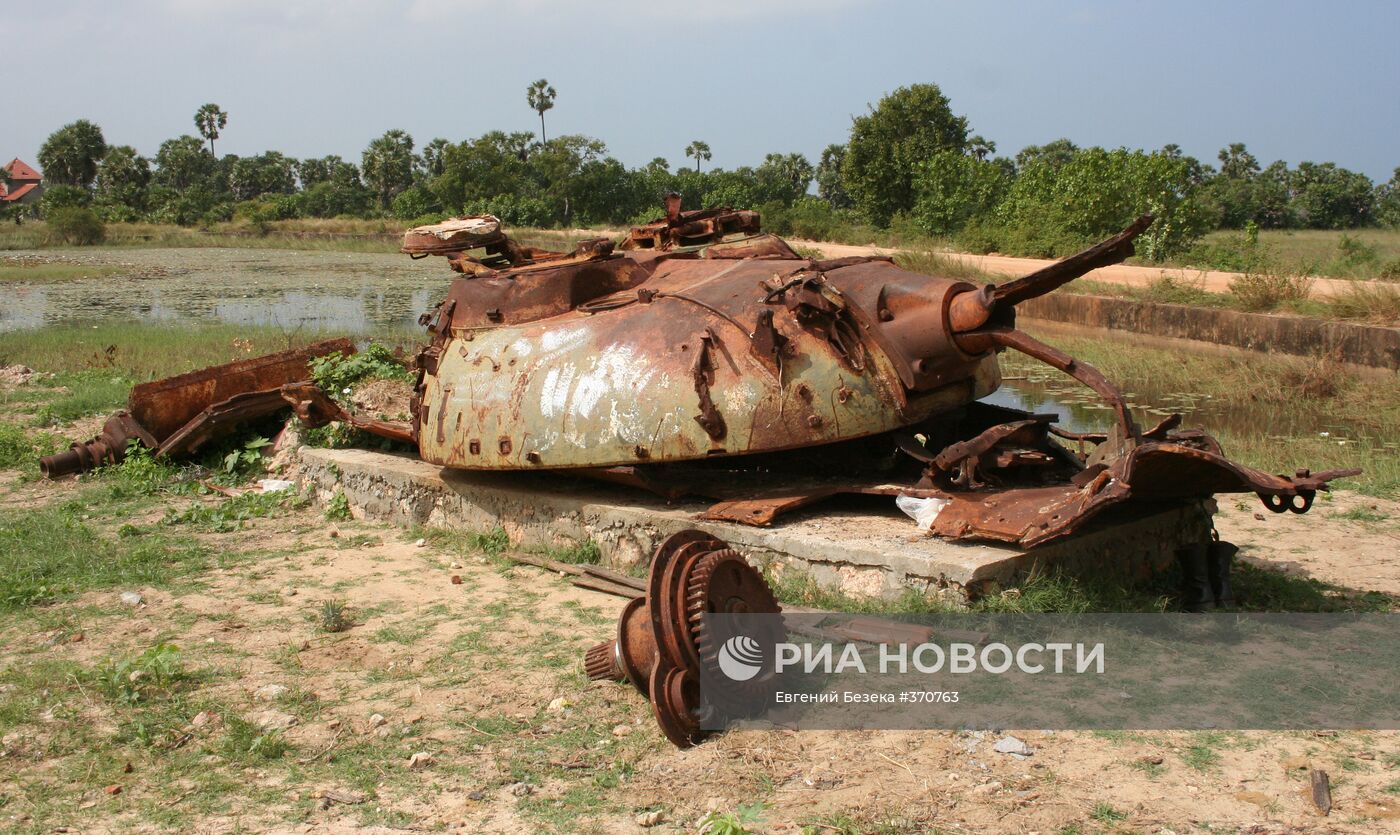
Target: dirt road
[[1213, 281]]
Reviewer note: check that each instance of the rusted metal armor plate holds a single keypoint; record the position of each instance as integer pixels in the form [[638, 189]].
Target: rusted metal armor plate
[[163, 406]]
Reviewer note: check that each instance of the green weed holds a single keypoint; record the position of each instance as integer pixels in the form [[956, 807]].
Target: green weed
[[338, 508], [147, 676], [332, 617], [232, 514], [582, 553], [742, 821], [337, 374]]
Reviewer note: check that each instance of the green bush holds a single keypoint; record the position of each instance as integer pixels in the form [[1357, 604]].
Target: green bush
[[951, 188], [74, 226], [63, 197], [1055, 209], [415, 201]]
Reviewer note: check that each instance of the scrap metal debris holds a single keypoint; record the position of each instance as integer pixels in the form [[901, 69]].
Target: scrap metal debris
[[177, 415], [663, 643]]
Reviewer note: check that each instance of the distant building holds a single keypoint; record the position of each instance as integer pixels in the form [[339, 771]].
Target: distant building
[[26, 185]]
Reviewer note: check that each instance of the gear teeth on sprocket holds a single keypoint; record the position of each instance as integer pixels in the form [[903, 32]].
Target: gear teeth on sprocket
[[600, 663]]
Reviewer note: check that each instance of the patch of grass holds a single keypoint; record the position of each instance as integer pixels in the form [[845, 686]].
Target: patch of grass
[[308, 234], [48, 554], [139, 351], [582, 553], [147, 676], [1352, 253], [1152, 769], [1379, 303], [1104, 813], [1201, 754], [405, 635], [1256, 590], [244, 742], [492, 543], [1267, 290], [936, 264], [20, 449], [1361, 514], [1262, 590], [1393, 788], [91, 392], [844, 823]]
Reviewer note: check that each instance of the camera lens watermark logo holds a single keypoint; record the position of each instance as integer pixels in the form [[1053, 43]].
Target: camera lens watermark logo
[[740, 658]]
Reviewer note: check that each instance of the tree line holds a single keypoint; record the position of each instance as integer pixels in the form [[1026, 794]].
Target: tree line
[[910, 165]]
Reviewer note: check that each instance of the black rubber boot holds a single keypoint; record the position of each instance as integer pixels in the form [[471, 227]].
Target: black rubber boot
[[1196, 593], [1220, 559]]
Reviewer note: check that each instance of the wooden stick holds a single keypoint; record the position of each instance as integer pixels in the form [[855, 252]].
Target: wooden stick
[[595, 584], [1321, 791], [547, 564], [615, 577]]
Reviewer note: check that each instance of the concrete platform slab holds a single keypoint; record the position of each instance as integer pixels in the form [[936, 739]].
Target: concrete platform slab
[[862, 546]]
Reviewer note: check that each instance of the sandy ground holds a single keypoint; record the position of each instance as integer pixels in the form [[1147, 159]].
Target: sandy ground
[[1213, 281], [1328, 543], [484, 677]]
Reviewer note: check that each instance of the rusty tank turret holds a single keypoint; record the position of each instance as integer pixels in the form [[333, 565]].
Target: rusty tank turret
[[699, 355]]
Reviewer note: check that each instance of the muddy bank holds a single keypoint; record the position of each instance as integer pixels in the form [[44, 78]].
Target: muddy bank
[[1368, 346]]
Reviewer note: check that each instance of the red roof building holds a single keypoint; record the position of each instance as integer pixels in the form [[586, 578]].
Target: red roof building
[[25, 186]]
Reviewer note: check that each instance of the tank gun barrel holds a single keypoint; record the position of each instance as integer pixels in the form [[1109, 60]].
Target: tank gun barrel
[[971, 310]]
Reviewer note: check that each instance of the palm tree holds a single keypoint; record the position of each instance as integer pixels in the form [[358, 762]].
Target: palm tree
[[980, 147], [541, 98], [700, 151], [210, 120]]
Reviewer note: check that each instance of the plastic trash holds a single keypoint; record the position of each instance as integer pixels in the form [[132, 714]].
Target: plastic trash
[[275, 485], [922, 511]]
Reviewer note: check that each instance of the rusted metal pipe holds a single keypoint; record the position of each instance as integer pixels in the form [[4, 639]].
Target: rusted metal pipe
[[109, 447]]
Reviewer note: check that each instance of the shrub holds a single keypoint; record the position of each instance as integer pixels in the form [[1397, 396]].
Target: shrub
[[415, 201], [1372, 302], [335, 373], [1055, 208], [1267, 289], [74, 226], [1354, 252], [63, 197]]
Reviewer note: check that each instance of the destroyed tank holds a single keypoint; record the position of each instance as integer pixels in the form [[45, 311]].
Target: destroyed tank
[[702, 356]]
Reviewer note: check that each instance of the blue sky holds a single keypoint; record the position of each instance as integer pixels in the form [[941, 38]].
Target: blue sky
[[1295, 81]]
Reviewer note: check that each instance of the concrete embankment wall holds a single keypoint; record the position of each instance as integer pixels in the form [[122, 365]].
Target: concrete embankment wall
[[1365, 346]]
